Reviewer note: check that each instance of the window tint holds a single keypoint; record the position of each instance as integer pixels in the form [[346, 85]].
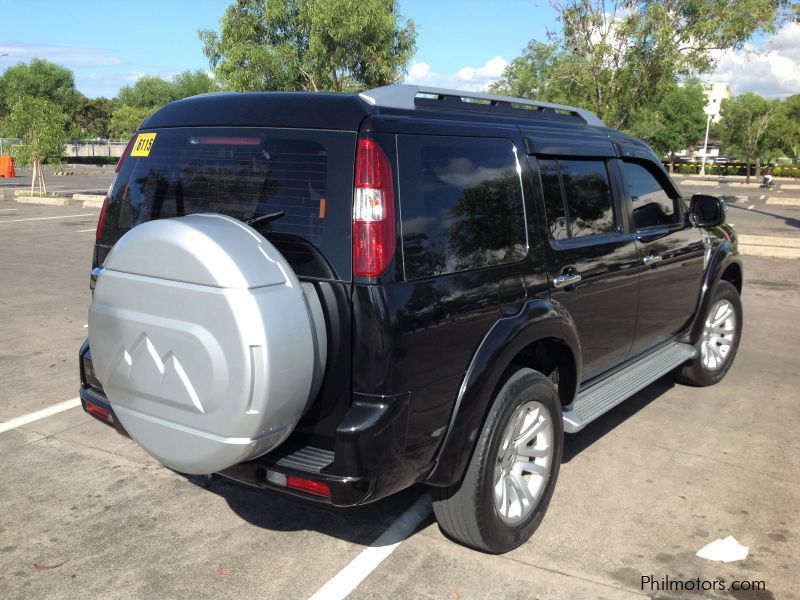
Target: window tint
[[303, 178], [577, 197], [554, 200], [461, 204], [588, 194], [651, 204]]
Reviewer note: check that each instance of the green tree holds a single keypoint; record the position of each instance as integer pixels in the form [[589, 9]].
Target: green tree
[[91, 118], [311, 45], [38, 79], [782, 137], [745, 119], [126, 120], [617, 57], [192, 83], [41, 125], [677, 122], [154, 92], [147, 92]]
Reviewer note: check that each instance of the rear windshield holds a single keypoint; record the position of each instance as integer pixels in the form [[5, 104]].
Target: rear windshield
[[300, 181]]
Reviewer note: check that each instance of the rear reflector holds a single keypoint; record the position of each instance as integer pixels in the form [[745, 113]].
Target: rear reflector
[[101, 413], [316, 488], [373, 211], [306, 485]]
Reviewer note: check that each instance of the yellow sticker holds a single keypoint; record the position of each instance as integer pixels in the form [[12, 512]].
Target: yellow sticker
[[143, 144]]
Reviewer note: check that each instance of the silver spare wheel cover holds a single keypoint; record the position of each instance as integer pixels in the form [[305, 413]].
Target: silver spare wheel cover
[[206, 344]]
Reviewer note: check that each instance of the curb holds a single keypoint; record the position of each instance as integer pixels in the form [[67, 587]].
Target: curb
[[38, 200], [27, 193], [92, 203], [89, 200], [700, 182]]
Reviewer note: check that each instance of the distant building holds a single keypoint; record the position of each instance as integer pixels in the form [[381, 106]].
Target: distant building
[[715, 94]]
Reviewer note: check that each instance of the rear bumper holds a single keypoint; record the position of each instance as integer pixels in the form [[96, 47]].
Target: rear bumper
[[367, 461]]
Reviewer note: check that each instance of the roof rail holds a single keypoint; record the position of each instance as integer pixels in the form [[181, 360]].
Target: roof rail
[[406, 96]]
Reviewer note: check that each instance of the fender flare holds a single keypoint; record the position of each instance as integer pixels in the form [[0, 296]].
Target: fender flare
[[723, 257], [540, 318]]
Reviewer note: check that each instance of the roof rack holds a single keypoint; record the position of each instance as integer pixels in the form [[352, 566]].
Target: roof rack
[[409, 96]]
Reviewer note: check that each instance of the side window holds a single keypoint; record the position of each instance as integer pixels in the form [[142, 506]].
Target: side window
[[651, 204], [578, 197], [554, 200], [461, 204]]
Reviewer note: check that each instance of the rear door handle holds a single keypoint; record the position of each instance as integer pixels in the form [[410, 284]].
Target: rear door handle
[[566, 280], [652, 259]]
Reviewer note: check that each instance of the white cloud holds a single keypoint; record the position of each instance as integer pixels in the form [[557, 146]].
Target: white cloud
[[771, 70], [71, 56], [472, 79]]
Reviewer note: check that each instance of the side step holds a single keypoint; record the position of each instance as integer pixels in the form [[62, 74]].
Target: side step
[[604, 395]]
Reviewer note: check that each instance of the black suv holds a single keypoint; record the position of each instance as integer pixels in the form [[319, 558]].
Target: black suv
[[342, 295]]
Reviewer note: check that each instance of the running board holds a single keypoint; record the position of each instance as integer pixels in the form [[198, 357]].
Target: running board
[[604, 395]]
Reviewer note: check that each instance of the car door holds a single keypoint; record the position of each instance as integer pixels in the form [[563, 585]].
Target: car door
[[670, 249], [591, 261]]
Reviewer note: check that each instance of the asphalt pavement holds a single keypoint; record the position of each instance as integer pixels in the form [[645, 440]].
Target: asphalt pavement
[[86, 513]]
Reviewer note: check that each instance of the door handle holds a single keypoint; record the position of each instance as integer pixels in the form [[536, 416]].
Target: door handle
[[566, 280], [652, 259]]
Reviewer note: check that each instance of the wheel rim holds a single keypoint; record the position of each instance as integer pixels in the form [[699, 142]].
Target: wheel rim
[[524, 461], [719, 334]]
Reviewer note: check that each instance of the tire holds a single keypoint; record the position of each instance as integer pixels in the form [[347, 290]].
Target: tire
[[468, 512], [715, 353]]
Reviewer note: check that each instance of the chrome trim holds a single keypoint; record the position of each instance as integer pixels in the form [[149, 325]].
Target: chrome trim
[[652, 259], [93, 277], [562, 281]]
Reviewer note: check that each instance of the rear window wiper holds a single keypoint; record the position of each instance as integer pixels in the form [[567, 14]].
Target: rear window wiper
[[267, 217]]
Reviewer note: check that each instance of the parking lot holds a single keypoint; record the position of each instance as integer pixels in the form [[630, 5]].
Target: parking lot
[[85, 513]]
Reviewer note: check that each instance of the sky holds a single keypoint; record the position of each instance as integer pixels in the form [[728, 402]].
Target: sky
[[462, 44]]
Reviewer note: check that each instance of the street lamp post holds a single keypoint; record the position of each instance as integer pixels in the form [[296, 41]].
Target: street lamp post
[[705, 146]]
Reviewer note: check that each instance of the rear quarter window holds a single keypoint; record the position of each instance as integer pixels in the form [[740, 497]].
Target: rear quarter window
[[461, 204], [301, 178]]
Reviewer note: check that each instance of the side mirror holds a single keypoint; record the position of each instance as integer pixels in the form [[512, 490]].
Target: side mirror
[[707, 211]]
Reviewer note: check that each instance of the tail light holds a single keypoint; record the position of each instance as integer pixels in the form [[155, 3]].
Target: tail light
[[102, 220], [99, 412], [309, 486], [373, 211]]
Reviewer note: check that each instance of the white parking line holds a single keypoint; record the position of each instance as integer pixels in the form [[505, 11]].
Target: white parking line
[[8, 209], [48, 218], [85, 230], [39, 414], [349, 578]]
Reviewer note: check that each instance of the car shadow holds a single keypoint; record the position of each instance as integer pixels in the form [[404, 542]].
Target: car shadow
[[576, 443], [276, 511], [791, 222], [362, 525]]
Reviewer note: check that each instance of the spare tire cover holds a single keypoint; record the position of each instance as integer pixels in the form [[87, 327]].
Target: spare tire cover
[[205, 342]]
